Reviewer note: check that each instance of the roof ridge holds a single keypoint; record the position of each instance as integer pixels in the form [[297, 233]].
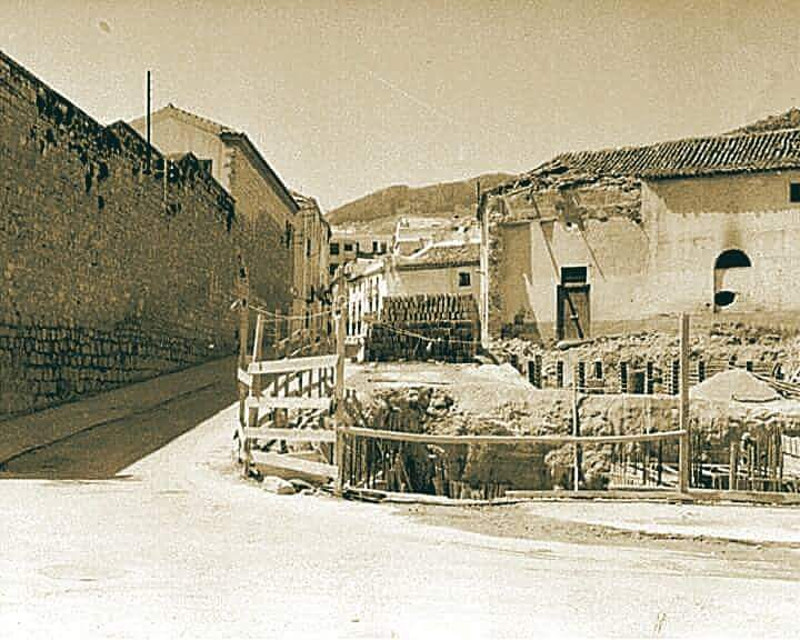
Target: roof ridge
[[638, 147], [195, 116]]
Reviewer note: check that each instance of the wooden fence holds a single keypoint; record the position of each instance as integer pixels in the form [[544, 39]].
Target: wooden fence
[[375, 459], [287, 400]]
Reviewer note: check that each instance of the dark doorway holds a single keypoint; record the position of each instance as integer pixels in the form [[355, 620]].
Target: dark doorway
[[573, 308]]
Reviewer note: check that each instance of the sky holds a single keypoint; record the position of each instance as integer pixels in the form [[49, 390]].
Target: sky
[[344, 98]]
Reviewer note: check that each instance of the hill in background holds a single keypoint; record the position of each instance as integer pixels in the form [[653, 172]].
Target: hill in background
[[788, 120], [380, 211]]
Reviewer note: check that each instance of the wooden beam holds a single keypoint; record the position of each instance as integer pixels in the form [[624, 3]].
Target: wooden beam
[[255, 390], [286, 462], [244, 377], [292, 435], [427, 438], [287, 365], [265, 403], [683, 413], [341, 336]]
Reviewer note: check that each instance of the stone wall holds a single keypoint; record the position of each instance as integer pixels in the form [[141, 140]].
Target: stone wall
[[110, 273]]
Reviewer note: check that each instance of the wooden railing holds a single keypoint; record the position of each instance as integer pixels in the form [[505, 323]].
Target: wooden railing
[[309, 387]]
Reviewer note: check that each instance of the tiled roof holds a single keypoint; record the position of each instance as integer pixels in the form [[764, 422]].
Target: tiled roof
[[733, 153], [442, 255]]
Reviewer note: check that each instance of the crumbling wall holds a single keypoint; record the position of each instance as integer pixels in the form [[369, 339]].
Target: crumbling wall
[[110, 273], [650, 358], [649, 246], [535, 231]]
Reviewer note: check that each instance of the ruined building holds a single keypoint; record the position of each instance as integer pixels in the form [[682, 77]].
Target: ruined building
[[620, 240], [118, 263]]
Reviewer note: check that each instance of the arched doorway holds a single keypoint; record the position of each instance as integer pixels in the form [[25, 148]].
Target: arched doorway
[[727, 269]]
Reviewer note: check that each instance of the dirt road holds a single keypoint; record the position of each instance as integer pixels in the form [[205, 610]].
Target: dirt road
[[105, 442], [183, 547]]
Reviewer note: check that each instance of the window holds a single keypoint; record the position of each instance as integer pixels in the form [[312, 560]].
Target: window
[[463, 279], [308, 247], [727, 279], [794, 192], [732, 258], [348, 246], [374, 246], [332, 269], [573, 275], [334, 248]]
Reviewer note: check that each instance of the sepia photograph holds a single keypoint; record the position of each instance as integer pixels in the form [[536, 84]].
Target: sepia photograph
[[397, 319]]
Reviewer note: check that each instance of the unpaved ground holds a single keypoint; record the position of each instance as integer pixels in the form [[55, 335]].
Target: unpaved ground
[[182, 547], [570, 523]]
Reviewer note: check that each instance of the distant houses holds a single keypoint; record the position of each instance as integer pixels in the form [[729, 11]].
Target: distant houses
[[426, 260]]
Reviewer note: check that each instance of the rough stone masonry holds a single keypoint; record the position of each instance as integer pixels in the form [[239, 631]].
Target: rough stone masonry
[[110, 273]]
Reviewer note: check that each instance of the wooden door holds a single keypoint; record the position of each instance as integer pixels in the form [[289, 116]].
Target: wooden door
[[573, 312]]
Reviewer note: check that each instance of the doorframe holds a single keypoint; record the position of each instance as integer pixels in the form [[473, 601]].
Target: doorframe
[[561, 320]]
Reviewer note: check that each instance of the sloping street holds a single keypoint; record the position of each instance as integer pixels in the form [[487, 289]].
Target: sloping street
[[179, 546]]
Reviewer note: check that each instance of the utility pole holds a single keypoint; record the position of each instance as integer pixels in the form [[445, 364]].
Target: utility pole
[[149, 154], [683, 424]]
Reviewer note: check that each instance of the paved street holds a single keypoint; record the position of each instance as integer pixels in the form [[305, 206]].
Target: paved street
[[181, 546]]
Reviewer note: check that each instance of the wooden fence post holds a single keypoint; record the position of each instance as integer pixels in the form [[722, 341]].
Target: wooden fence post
[[255, 391], [244, 328], [576, 431], [338, 454], [685, 445]]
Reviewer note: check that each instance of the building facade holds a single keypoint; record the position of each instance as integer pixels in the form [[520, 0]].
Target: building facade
[[265, 205], [312, 300], [446, 268], [623, 240], [348, 244]]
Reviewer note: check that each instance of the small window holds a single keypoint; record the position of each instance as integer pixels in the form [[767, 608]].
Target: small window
[[334, 248], [332, 269], [732, 259], [374, 246], [573, 275], [348, 246], [308, 247], [794, 192], [463, 279]]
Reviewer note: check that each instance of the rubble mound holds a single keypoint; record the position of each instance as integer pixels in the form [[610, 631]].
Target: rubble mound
[[734, 385]]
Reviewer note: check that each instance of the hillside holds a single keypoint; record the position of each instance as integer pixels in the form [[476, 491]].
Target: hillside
[[787, 120], [380, 210]]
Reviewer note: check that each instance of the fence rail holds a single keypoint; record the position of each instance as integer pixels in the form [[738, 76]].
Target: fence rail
[[428, 438]]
